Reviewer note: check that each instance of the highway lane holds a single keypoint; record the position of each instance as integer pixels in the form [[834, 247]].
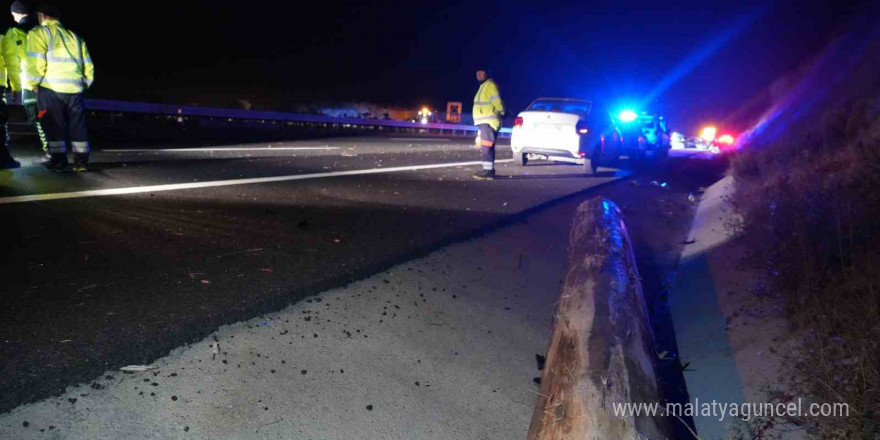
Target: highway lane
[[92, 283]]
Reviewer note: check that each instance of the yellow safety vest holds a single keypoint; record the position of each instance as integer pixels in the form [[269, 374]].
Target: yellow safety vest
[[488, 106], [2, 65], [14, 50], [57, 59]]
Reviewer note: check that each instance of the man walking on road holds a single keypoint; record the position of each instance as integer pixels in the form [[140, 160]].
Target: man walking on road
[[60, 70], [488, 110], [14, 49]]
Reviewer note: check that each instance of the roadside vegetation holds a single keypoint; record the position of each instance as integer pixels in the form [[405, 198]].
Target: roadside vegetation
[[810, 208]]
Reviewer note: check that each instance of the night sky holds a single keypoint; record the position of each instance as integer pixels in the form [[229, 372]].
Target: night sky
[[701, 60]]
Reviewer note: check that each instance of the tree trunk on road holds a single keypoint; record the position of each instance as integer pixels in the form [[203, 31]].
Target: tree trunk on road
[[601, 352]]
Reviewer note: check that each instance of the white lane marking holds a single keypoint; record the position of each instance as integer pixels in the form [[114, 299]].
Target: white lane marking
[[217, 183], [422, 139], [190, 150]]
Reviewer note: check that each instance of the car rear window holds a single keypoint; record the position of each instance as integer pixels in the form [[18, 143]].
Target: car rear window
[[561, 106]]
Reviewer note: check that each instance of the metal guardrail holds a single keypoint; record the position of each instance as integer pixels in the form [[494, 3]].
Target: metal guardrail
[[184, 111]]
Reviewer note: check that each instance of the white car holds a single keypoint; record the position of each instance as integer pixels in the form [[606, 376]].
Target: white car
[[565, 130]]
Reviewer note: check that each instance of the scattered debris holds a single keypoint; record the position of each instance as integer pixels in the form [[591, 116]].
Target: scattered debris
[[138, 368], [661, 185], [542, 362], [692, 198], [249, 251]]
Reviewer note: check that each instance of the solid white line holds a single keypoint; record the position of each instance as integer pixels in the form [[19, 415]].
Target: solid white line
[[421, 139], [189, 150], [217, 183]]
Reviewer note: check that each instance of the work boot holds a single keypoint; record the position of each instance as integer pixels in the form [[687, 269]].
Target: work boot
[[485, 175], [58, 162], [45, 160], [80, 162]]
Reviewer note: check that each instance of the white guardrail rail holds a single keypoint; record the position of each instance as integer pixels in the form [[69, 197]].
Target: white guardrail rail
[[189, 112]]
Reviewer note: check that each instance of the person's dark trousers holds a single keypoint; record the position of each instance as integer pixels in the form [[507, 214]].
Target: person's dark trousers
[[29, 102], [487, 146], [64, 119], [5, 155]]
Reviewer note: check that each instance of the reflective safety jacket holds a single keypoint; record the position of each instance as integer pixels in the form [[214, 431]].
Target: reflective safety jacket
[[57, 59], [488, 107], [14, 50], [2, 65]]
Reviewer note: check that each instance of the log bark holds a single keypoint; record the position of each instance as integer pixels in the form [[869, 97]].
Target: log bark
[[601, 352]]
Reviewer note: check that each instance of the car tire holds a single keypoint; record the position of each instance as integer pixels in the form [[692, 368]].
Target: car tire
[[591, 164], [520, 159]]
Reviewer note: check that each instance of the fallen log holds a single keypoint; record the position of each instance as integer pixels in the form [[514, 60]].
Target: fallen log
[[601, 352]]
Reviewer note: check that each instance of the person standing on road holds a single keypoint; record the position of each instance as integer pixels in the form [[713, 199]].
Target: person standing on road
[[6, 160], [488, 110], [59, 68], [14, 50]]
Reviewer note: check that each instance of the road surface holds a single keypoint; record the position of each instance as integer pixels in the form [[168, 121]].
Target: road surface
[[155, 248]]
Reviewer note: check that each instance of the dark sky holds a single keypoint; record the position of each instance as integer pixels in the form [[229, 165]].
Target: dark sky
[[714, 56]]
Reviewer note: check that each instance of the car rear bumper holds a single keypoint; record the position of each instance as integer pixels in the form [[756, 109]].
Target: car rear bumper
[[548, 152]]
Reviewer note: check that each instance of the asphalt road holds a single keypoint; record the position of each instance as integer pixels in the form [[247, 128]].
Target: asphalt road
[[153, 249]]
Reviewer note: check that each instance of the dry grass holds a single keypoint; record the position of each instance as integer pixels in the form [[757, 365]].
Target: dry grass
[[811, 219]]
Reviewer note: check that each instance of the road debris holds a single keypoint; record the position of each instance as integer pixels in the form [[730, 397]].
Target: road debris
[[249, 251], [138, 368], [659, 184]]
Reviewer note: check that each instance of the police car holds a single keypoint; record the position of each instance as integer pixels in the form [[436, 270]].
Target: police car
[[644, 135]]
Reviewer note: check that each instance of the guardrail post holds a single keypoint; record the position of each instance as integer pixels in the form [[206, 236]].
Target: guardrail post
[[601, 352]]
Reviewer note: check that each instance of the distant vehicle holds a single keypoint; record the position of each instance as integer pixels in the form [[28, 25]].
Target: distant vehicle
[[709, 140], [644, 135], [565, 130]]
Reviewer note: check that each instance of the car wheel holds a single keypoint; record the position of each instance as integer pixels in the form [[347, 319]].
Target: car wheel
[[520, 159], [591, 164]]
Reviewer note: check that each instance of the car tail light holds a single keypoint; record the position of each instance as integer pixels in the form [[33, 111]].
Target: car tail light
[[726, 139], [518, 122], [582, 128]]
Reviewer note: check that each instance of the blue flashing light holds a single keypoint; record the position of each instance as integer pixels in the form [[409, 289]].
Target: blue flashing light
[[627, 116]]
